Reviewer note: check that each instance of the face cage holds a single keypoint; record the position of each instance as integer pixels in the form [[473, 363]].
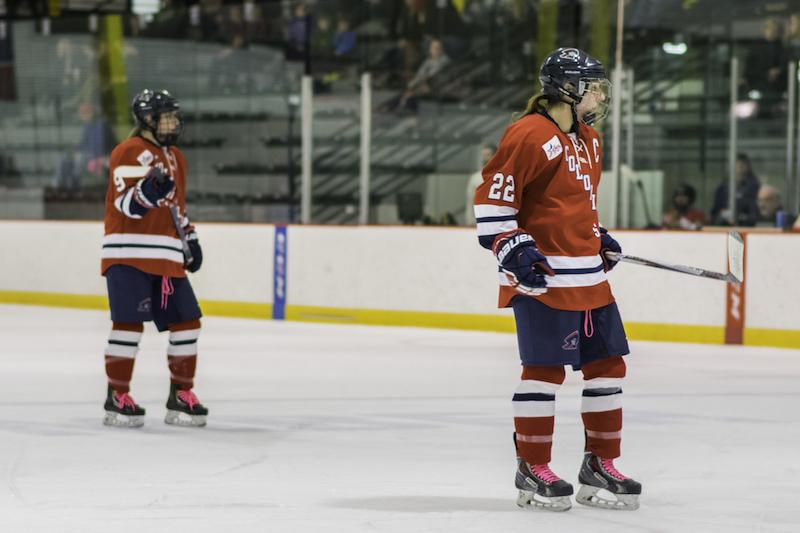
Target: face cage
[[601, 110], [171, 138]]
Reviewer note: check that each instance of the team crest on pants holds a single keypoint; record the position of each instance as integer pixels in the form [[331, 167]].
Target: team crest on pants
[[571, 341], [144, 306]]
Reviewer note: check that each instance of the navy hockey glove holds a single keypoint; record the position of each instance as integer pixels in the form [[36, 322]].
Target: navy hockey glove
[[194, 247], [522, 263], [608, 244], [155, 188]]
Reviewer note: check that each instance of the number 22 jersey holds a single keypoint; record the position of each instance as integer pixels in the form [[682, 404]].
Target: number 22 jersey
[[545, 182]]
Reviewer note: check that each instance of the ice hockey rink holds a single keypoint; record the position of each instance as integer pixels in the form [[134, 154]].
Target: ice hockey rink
[[338, 428]]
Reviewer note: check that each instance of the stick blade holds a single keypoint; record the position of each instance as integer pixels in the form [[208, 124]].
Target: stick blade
[[736, 256]]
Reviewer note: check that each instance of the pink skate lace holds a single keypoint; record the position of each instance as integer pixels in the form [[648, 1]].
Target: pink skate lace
[[166, 290], [124, 400], [608, 466], [588, 323], [544, 473], [188, 397]]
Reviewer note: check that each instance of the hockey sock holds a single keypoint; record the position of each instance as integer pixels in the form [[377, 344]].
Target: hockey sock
[[123, 345], [534, 412], [182, 353], [601, 408]]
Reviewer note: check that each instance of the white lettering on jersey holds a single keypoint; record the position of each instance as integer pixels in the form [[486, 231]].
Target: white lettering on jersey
[[574, 164], [552, 148], [145, 158]]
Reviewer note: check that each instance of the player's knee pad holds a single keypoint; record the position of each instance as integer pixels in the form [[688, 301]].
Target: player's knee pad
[[123, 340], [183, 338]]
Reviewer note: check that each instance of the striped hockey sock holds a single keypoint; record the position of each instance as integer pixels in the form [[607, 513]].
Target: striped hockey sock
[[123, 345], [534, 405], [601, 408], [182, 353]]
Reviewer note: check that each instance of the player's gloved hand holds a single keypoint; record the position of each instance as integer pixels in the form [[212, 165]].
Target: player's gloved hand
[[194, 247], [522, 263], [156, 188], [608, 244]]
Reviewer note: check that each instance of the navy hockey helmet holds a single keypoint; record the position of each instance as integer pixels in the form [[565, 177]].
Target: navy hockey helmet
[[147, 108], [572, 73]]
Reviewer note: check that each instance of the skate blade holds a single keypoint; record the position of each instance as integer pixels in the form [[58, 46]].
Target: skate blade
[[179, 418], [603, 499], [122, 421], [530, 500]]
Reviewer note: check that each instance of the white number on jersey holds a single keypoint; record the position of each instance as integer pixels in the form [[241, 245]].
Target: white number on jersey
[[504, 184]]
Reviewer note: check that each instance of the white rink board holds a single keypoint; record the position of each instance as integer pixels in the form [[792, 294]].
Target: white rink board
[[773, 282], [650, 295], [391, 268], [414, 269]]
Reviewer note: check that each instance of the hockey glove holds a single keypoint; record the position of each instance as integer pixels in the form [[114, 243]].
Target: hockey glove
[[194, 247], [522, 263], [155, 189], [608, 244]]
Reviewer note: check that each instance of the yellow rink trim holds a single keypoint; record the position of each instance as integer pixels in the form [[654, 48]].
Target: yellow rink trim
[[423, 319], [636, 330], [779, 338], [86, 301]]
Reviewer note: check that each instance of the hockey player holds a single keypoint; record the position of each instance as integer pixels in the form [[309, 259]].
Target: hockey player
[[537, 211], [144, 265]]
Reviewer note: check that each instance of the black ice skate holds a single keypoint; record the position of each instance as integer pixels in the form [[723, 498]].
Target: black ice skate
[[184, 409], [540, 488], [122, 411], [604, 486]]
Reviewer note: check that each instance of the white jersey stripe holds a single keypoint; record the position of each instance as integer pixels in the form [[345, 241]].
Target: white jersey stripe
[[143, 253], [488, 210], [142, 238], [493, 228], [576, 280], [583, 261], [130, 171]]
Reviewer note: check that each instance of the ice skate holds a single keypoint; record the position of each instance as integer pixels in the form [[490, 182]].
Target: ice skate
[[184, 409], [605, 487], [122, 411], [539, 488]]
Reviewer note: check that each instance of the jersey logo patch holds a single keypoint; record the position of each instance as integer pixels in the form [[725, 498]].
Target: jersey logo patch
[[145, 158], [552, 148]]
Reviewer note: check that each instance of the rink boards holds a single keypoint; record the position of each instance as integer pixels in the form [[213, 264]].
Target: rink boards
[[419, 276]]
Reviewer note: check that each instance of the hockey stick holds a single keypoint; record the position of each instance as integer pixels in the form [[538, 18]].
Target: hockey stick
[[187, 252], [735, 272], [162, 177]]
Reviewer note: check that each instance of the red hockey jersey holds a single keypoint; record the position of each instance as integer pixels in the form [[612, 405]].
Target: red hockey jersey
[[545, 181], [146, 241]]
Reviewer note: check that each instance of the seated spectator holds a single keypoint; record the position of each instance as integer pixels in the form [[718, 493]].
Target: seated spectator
[[770, 209], [90, 157], [423, 81], [344, 42], [747, 185], [683, 214]]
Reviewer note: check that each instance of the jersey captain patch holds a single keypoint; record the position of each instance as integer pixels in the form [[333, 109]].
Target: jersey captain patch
[[145, 158], [552, 148]]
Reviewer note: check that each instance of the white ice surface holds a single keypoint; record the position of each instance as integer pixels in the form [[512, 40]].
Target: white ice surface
[[326, 428]]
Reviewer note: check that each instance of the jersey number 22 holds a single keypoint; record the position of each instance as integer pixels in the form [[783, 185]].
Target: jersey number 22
[[502, 187]]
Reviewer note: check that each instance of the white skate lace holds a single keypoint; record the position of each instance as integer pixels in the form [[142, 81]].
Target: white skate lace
[[608, 466], [544, 473]]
